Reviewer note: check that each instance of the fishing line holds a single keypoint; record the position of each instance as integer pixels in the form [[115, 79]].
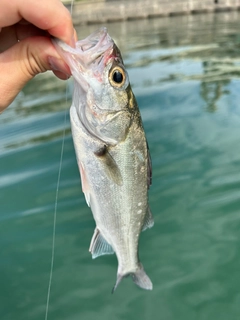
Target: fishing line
[[55, 215], [56, 197]]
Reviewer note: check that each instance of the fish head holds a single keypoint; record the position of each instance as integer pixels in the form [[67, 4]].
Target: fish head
[[101, 82], [97, 67]]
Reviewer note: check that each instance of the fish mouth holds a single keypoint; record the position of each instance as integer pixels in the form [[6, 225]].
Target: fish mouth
[[90, 55]]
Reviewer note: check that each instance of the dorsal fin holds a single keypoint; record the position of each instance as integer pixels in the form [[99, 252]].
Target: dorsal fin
[[99, 246], [149, 167]]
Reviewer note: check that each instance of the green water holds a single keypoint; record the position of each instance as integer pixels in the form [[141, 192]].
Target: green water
[[185, 74]]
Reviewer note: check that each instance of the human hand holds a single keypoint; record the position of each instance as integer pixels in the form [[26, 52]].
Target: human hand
[[25, 45]]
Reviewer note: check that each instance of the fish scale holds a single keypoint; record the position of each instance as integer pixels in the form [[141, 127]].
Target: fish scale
[[111, 150]]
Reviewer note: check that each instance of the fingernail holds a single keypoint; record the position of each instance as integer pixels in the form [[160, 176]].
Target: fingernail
[[59, 65], [73, 41]]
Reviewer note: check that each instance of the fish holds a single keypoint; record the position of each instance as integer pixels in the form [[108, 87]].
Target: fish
[[111, 150]]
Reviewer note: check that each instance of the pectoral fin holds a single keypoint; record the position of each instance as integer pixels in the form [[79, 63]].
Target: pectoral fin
[[109, 164], [99, 246], [148, 222]]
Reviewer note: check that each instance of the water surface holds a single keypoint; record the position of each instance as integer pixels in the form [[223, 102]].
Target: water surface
[[185, 75]]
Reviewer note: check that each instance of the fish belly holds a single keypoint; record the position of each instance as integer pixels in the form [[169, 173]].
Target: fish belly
[[118, 206]]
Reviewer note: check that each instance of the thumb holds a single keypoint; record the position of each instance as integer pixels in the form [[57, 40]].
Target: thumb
[[23, 61]]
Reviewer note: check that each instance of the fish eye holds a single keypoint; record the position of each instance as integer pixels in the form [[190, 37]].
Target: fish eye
[[117, 77]]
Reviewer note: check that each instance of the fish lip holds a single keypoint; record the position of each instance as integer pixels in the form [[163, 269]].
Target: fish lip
[[92, 51]]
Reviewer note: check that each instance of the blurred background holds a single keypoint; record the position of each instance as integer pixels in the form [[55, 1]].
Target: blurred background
[[184, 71]]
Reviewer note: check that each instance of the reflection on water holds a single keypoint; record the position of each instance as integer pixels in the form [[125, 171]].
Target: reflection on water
[[185, 75], [211, 90]]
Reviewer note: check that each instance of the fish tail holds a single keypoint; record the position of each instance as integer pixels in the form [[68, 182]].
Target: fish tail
[[119, 279], [139, 277]]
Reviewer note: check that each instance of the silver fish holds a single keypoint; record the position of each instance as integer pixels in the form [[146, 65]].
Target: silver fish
[[111, 150]]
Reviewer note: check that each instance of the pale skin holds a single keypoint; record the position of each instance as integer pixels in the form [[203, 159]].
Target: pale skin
[[25, 45]]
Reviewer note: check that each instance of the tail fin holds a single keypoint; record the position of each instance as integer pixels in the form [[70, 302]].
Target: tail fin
[[119, 279], [139, 277]]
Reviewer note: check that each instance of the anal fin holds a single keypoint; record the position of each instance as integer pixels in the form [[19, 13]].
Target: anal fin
[[148, 222], [99, 246]]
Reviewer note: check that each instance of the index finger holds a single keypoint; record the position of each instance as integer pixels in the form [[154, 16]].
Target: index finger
[[49, 15]]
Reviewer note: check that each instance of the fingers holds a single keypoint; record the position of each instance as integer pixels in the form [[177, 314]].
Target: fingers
[[25, 46], [7, 38], [13, 34], [23, 61], [49, 15]]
